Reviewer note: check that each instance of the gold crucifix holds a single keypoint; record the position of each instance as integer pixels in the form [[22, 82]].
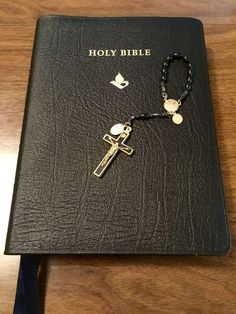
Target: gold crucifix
[[117, 144]]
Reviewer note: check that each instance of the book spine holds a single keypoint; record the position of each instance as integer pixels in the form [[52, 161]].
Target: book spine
[[35, 49]]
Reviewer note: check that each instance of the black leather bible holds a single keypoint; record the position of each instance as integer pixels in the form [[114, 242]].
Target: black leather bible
[[167, 198]]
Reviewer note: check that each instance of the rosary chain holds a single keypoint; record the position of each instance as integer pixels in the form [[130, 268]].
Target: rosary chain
[[146, 116], [164, 75]]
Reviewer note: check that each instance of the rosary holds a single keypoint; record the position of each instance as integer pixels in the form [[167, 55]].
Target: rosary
[[170, 105]]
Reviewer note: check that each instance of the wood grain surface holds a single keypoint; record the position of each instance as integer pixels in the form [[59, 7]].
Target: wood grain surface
[[131, 284]]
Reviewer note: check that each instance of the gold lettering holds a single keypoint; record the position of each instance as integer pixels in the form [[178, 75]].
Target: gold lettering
[[113, 52], [141, 52], [100, 53], [92, 53], [123, 52]]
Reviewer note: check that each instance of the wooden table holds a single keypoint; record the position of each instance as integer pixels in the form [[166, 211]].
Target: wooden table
[[122, 284]]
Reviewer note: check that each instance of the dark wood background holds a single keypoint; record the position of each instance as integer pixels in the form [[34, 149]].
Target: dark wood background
[[102, 285]]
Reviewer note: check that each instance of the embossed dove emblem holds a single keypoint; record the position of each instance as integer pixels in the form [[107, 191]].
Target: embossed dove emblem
[[119, 81]]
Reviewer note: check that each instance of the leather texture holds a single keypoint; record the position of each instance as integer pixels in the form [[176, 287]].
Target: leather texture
[[165, 199]]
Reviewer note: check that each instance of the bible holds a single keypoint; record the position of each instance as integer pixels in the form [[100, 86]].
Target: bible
[[88, 74]]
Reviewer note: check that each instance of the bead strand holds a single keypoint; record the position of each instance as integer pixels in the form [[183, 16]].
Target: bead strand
[[164, 75], [145, 116]]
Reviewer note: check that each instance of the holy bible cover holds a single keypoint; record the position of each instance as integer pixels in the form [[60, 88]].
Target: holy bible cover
[[167, 198]]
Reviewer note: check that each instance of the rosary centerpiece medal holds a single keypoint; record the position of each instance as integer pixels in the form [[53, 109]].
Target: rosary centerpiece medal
[[171, 106]]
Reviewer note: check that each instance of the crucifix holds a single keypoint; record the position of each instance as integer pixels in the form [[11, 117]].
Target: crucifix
[[117, 145]]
